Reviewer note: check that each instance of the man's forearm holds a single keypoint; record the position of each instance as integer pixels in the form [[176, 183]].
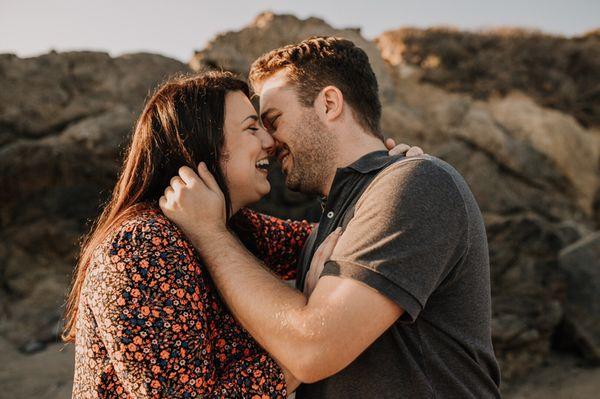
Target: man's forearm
[[269, 309]]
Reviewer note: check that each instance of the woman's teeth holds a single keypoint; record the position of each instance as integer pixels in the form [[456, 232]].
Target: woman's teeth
[[263, 164]]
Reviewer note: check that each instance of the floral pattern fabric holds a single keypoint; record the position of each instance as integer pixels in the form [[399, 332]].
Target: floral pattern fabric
[[151, 324]]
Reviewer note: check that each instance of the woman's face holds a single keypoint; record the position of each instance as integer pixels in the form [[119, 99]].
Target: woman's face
[[247, 149]]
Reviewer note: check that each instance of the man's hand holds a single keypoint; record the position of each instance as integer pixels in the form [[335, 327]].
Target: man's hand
[[195, 203], [402, 149]]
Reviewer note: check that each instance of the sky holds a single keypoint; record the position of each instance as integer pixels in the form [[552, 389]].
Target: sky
[[176, 28]]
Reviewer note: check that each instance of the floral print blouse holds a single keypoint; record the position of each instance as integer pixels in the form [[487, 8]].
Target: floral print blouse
[[151, 324]]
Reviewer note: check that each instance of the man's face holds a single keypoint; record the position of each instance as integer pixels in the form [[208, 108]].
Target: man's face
[[305, 147]]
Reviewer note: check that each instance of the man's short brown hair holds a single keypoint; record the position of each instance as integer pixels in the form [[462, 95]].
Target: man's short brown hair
[[318, 62]]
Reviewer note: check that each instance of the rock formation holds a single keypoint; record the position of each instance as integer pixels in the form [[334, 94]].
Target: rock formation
[[530, 153], [533, 169], [64, 120], [557, 72]]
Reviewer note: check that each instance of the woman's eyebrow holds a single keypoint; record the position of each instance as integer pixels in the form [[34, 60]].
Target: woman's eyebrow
[[254, 117]]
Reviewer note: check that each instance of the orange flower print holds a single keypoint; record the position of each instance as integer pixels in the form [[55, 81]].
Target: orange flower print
[[155, 324]]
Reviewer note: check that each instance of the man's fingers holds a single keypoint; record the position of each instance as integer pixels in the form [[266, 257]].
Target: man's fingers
[[208, 178], [162, 202], [169, 193], [177, 183], [414, 151], [390, 143], [188, 175]]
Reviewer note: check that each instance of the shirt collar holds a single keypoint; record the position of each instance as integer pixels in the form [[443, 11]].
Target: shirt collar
[[370, 162], [366, 164]]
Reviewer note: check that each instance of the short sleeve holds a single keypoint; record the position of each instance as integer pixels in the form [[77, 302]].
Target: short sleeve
[[409, 229]]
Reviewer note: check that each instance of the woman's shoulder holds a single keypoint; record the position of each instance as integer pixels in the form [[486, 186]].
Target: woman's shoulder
[[146, 217], [144, 226], [146, 234], [145, 255]]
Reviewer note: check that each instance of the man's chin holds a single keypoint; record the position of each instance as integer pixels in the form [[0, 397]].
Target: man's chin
[[292, 184]]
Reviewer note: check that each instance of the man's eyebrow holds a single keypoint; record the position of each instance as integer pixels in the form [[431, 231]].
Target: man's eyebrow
[[264, 114]]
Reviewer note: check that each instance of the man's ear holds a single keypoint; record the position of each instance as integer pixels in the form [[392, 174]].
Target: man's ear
[[330, 103]]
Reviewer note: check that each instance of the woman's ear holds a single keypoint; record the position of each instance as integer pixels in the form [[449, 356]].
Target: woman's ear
[[330, 103]]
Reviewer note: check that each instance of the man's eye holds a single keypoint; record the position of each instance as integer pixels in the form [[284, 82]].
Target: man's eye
[[266, 124], [270, 126]]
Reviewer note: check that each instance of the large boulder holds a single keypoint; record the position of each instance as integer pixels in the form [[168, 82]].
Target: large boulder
[[534, 173], [533, 170], [64, 120], [541, 151], [558, 72], [580, 263], [235, 51]]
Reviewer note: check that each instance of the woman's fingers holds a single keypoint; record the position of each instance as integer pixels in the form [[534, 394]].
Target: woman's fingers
[[414, 151], [328, 245], [399, 149], [322, 255], [390, 143]]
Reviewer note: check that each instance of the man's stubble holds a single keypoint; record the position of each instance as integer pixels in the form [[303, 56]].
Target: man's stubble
[[314, 152]]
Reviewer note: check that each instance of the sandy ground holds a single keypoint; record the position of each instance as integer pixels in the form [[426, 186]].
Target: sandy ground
[[44, 375], [562, 378], [48, 375]]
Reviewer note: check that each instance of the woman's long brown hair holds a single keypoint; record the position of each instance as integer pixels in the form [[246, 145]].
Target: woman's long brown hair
[[181, 124]]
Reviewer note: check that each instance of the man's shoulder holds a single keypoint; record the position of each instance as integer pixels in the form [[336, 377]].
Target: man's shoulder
[[420, 173], [421, 166]]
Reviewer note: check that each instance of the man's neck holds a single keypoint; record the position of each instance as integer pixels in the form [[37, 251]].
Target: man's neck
[[351, 148]]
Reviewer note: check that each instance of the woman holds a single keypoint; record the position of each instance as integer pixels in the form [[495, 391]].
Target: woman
[[145, 315]]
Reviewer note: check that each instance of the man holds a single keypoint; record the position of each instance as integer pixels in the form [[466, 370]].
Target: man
[[401, 308]]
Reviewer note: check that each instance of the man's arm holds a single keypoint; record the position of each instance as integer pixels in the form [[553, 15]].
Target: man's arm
[[404, 238], [313, 338]]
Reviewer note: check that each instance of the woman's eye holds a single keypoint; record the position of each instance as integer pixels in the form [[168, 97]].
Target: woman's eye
[[254, 129]]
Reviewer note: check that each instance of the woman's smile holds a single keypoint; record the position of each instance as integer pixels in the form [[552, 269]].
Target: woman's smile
[[263, 165]]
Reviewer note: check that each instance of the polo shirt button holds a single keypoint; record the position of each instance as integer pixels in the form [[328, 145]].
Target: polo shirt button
[[330, 214]]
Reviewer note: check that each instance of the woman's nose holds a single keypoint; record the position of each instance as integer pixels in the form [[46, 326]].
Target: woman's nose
[[266, 140]]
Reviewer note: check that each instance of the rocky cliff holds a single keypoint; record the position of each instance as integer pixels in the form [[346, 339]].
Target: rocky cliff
[[64, 122], [517, 115]]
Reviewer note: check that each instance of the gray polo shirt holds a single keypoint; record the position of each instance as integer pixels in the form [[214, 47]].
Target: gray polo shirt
[[414, 232]]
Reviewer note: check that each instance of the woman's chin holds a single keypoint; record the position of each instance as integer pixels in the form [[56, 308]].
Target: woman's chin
[[260, 190], [264, 189]]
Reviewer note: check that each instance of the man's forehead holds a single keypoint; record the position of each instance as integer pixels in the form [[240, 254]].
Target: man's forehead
[[272, 87]]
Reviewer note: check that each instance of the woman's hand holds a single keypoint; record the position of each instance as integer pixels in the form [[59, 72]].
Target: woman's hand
[[402, 149], [317, 263], [195, 203]]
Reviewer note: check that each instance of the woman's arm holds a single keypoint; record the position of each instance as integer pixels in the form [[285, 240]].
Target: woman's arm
[[153, 311], [278, 242]]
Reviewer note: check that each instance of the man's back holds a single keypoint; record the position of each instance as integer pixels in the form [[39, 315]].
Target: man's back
[[417, 236]]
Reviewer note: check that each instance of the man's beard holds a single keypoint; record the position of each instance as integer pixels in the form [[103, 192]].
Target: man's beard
[[313, 152]]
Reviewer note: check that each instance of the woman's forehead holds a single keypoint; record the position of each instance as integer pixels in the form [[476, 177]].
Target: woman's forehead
[[238, 107]]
